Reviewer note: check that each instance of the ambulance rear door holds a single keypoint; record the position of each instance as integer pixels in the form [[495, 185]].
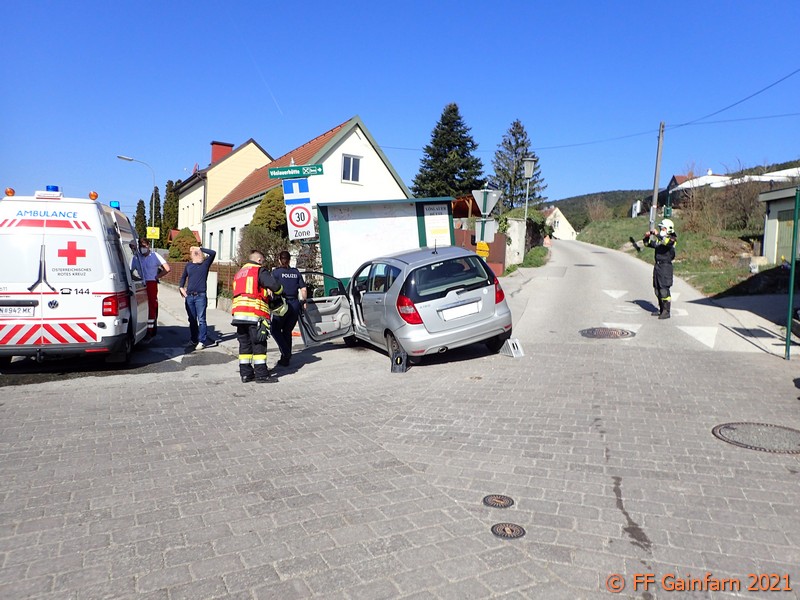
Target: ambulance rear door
[[21, 275], [60, 268]]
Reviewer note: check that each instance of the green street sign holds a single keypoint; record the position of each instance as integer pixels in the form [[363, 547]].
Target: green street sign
[[296, 171]]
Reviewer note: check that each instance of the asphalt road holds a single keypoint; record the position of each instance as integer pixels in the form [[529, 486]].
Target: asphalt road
[[171, 479]]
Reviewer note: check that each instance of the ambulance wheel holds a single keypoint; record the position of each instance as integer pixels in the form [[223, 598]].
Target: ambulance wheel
[[5, 361], [124, 356]]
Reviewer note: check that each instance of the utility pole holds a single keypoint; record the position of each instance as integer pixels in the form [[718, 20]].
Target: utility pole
[[654, 204]]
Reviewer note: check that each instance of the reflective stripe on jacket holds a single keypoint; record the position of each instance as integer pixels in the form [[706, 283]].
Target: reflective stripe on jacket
[[249, 300]]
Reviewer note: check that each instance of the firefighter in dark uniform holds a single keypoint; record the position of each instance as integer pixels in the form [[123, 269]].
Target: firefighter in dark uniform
[[254, 289], [663, 241]]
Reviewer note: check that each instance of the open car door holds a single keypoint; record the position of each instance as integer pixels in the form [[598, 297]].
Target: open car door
[[326, 315]]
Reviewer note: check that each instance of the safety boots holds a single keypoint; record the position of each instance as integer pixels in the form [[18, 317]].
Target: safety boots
[[665, 310]]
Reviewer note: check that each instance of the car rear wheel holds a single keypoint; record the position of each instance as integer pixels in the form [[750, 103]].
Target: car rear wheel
[[397, 356], [495, 344]]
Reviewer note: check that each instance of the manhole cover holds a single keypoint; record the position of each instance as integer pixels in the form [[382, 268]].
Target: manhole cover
[[606, 333], [760, 436], [498, 501], [508, 531]]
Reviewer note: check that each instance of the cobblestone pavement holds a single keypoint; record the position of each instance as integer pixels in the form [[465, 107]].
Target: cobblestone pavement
[[347, 481]]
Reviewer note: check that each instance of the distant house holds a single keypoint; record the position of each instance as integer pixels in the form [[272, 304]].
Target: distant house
[[205, 188], [354, 169], [680, 186], [562, 229]]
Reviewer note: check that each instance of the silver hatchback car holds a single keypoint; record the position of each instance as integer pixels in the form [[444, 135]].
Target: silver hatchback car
[[411, 304]]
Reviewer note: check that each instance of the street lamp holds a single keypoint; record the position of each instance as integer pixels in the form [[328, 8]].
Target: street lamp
[[153, 193], [529, 163]]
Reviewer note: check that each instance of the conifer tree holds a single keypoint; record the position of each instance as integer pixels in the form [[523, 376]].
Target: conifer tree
[[155, 218], [448, 167], [509, 169], [140, 220], [170, 217]]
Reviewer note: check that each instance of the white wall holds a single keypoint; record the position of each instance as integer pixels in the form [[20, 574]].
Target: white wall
[[376, 181], [515, 251], [190, 208], [234, 220]]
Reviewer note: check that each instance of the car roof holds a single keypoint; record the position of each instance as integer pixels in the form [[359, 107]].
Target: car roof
[[421, 256]]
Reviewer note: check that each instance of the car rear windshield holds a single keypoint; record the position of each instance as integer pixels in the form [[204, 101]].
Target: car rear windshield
[[438, 279]]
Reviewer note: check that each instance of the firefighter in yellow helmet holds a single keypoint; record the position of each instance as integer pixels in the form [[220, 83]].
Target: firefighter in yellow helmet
[[663, 240], [254, 291]]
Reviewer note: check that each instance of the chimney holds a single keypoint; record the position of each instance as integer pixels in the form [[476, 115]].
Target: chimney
[[709, 172], [220, 150]]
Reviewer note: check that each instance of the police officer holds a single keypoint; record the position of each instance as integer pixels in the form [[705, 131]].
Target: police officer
[[251, 302], [294, 288], [663, 240]]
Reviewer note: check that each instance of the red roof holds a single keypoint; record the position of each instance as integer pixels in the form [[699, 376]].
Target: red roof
[[259, 180]]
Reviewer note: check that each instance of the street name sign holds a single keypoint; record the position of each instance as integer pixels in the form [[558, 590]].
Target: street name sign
[[295, 171]]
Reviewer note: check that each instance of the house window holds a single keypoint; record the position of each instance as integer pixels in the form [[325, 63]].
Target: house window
[[232, 243], [220, 243], [211, 239], [351, 165]]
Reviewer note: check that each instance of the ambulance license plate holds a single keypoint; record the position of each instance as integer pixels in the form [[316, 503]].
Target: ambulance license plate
[[16, 311]]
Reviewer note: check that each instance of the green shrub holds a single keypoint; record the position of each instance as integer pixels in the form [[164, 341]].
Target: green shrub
[[179, 250]]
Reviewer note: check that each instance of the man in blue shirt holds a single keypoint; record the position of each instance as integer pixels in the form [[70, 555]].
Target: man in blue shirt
[[294, 289], [196, 272]]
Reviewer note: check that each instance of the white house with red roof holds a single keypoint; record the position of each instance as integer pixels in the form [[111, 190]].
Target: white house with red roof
[[354, 169]]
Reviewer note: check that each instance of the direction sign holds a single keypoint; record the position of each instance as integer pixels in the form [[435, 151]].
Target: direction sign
[[295, 171]]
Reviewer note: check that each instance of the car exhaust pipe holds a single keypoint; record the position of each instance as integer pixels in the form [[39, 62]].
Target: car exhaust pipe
[[442, 350]]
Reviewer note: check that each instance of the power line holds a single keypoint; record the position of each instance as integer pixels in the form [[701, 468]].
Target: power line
[[753, 95], [651, 132]]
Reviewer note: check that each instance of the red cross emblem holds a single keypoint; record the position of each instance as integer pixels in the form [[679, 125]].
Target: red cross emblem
[[72, 253]]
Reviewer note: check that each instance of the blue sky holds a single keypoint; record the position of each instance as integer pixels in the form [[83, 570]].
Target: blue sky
[[85, 81]]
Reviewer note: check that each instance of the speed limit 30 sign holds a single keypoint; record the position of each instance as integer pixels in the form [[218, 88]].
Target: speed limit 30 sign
[[298, 219], [299, 216], [298, 209]]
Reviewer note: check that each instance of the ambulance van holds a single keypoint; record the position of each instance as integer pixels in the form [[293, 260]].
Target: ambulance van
[[70, 279]]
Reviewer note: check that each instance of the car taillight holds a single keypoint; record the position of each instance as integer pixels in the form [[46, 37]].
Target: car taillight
[[408, 312], [113, 304], [499, 294]]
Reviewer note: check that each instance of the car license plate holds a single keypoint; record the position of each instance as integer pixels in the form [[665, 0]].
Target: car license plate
[[449, 314], [16, 311]]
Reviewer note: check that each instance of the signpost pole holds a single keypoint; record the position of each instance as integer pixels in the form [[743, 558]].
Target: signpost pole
[[791, 272]]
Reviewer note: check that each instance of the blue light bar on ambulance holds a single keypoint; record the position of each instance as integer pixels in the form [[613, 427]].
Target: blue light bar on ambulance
[[49, 194], [114, 204]]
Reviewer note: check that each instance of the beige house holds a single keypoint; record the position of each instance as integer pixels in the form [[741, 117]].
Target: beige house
[[562, 229], [354, 169], [206, 188]]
